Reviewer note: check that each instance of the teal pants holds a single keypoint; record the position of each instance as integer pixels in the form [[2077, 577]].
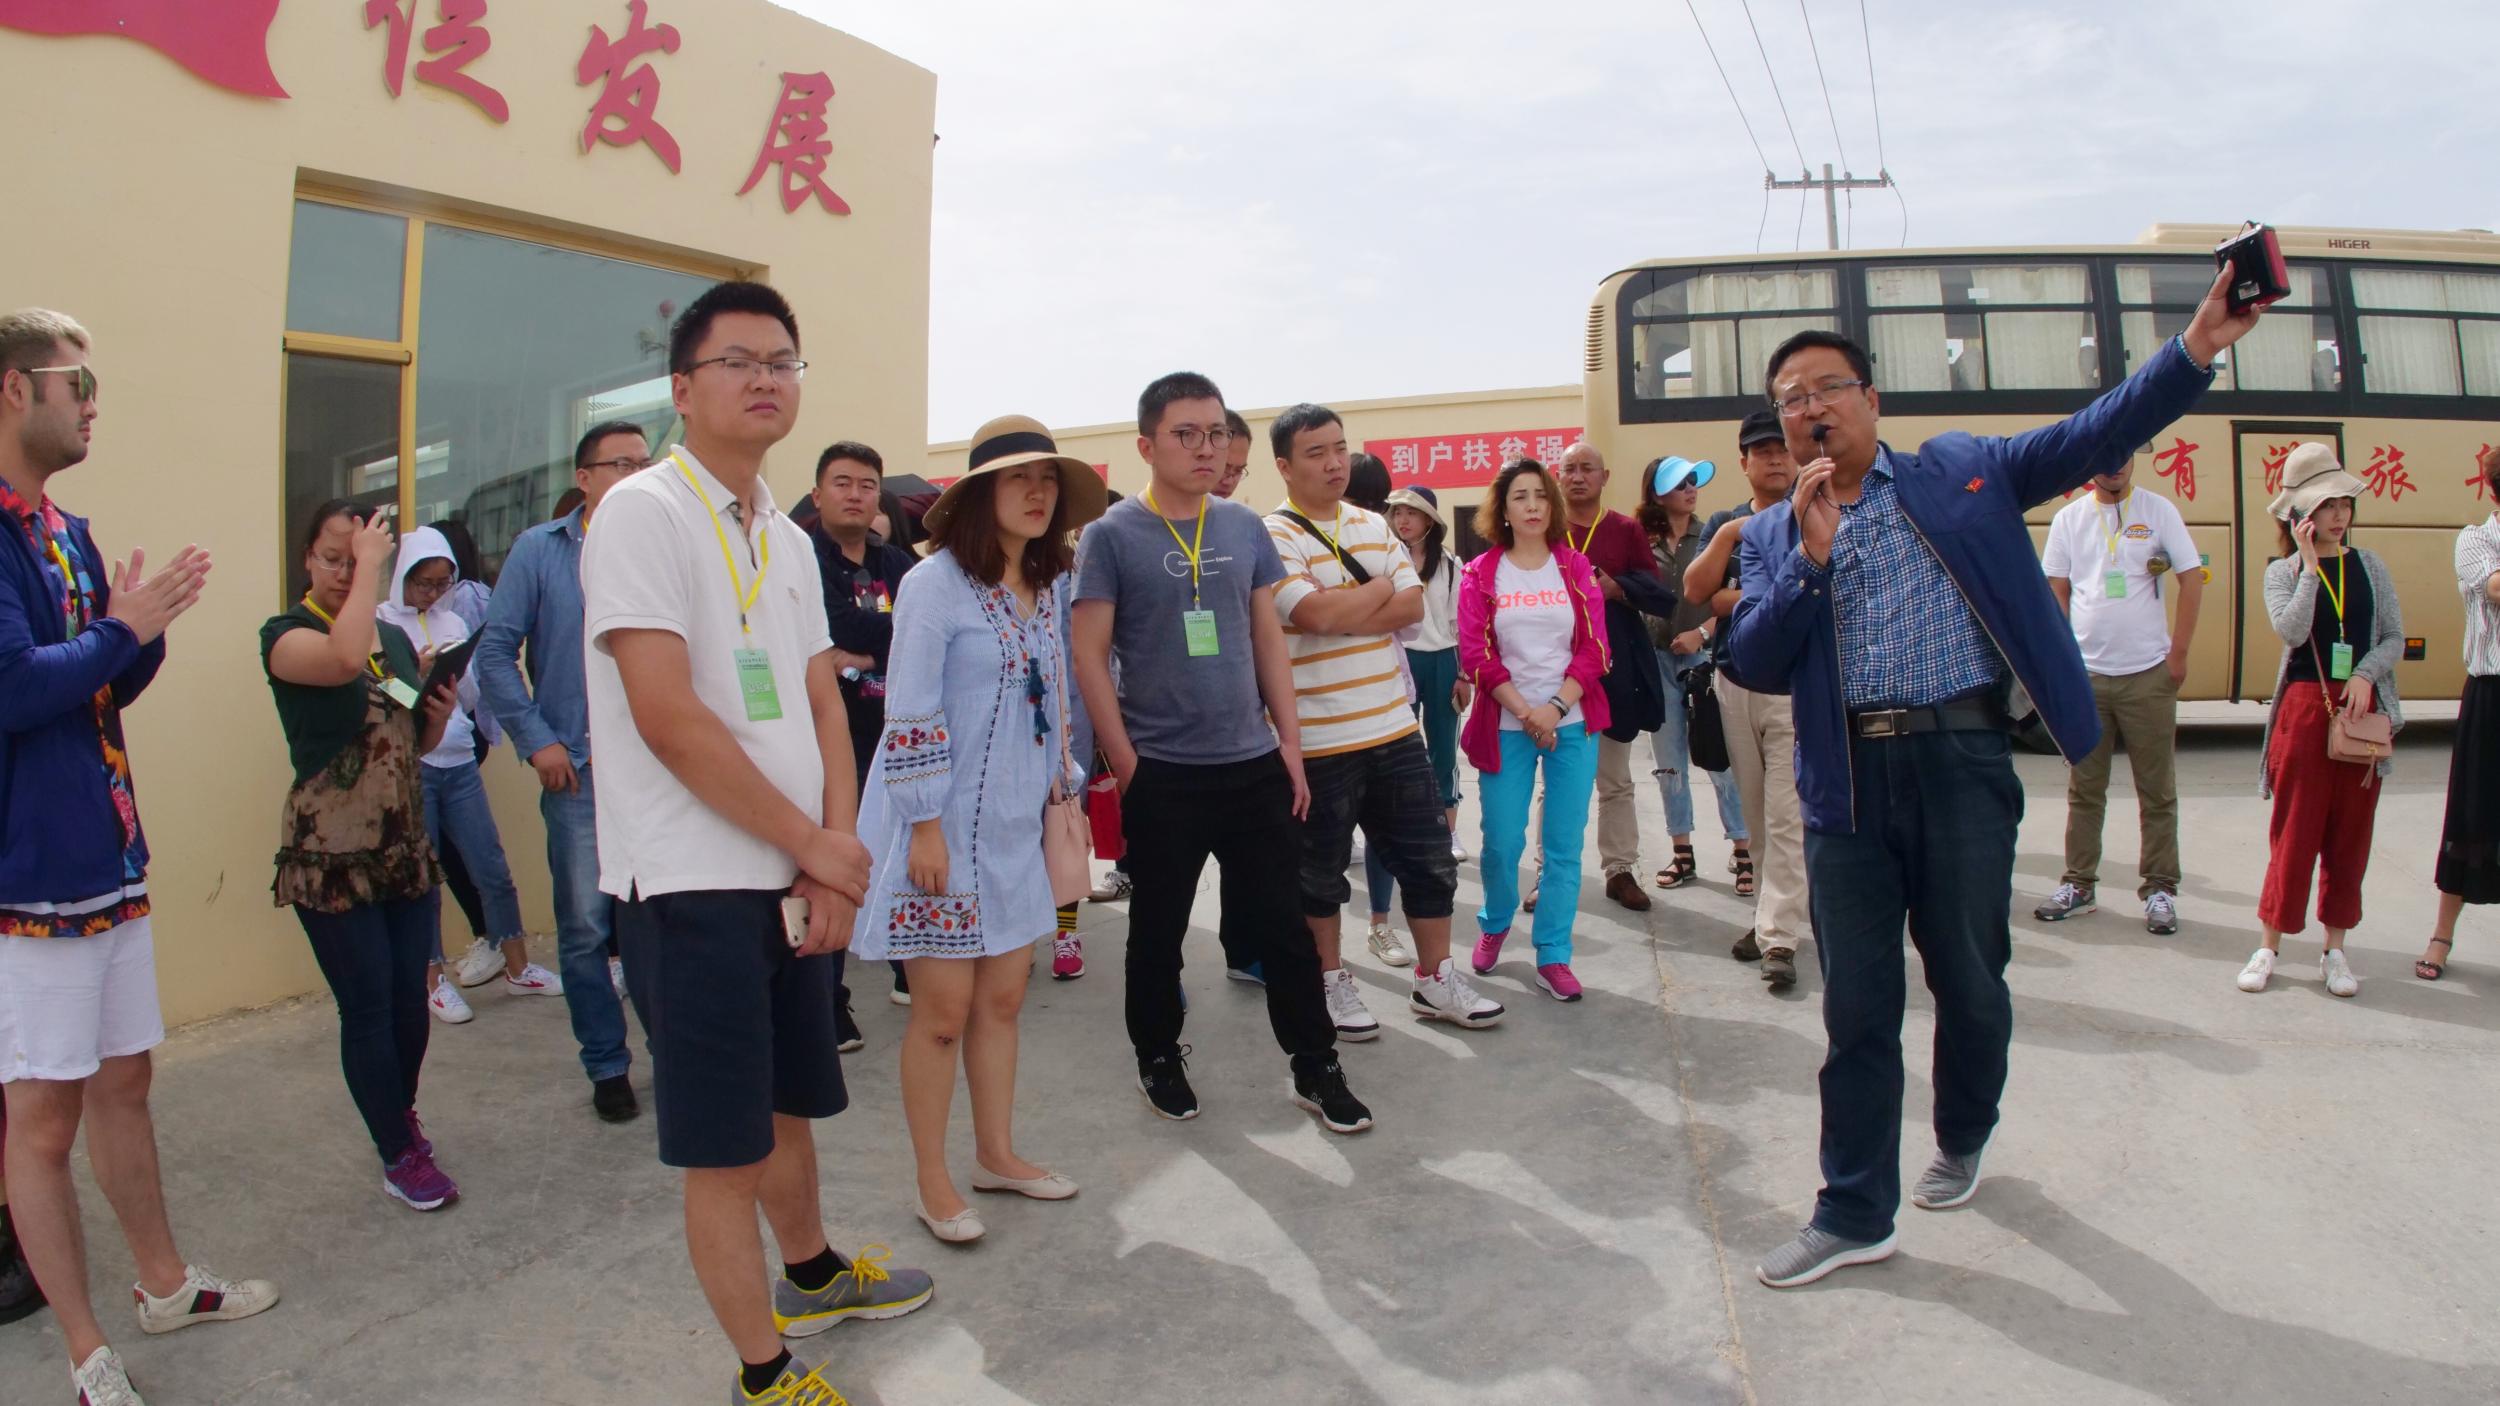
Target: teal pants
[[1570, 780]]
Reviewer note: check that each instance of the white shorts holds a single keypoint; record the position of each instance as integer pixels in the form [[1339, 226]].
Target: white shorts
[[69, 1003]]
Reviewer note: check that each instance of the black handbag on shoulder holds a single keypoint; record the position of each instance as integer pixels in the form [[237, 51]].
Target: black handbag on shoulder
[[1705, 733]]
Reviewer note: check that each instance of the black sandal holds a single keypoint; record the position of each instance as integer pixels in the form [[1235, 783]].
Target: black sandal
[[1681, 872], [2429, 970], [1744, 873]]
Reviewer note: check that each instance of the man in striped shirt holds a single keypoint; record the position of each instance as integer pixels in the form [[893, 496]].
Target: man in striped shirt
[[1348, 589]]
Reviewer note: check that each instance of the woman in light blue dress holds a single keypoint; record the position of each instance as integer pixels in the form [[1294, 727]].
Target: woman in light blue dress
[[983, 728]]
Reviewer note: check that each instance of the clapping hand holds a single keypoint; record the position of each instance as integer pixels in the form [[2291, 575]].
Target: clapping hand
[[149, 604]]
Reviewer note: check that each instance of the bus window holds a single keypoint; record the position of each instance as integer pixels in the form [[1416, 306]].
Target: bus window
[[1705, 334], [2288, 350], [1978, 327], [2406, 352]]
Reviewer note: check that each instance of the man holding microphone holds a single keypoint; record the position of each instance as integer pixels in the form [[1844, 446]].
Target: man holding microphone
[[1894, 597]]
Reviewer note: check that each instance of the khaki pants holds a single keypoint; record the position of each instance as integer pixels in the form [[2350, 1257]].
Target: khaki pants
[[2142, 710], [1762, 751]]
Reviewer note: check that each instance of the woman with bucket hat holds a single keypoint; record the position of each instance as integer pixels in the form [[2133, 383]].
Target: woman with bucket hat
[[1670, 494], [2335, 607], [984, 730]]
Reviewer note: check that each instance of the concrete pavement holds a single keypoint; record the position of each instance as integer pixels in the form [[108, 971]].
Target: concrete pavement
[[2197, 1195]]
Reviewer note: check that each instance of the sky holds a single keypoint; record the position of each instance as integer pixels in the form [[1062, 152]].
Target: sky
[[1367, 198]]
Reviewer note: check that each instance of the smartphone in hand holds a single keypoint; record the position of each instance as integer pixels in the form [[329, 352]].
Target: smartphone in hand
[[794, 920]]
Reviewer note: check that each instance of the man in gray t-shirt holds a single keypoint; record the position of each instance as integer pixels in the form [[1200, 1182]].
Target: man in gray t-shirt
[[1179, 586], [1201, 709]]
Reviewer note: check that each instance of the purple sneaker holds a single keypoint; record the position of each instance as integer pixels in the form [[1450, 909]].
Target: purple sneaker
[[1488, 951], [1558, 981], [416, 1180], [416, 1135]]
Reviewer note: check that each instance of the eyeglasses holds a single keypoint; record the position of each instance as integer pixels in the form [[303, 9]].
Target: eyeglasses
[[744, 366], [1827, 393], [336, 566], [431, 586], [84, 387], [1191, 436], [622, 466]]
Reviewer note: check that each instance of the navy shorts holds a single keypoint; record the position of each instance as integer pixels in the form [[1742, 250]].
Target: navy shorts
[[740, 1026], [1388, 790]]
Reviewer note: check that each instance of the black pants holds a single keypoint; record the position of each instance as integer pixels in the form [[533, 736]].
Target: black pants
[[374, 956], [866, 717], [1391, 792], [1174, 816]]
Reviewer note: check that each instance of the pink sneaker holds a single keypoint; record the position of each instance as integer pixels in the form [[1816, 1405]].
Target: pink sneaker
[[416, 1180], [417, 1137], [1488, 951], [1558, 981], [1067, 957]]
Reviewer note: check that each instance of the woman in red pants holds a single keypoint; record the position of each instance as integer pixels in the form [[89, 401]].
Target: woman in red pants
[[2335, 607]]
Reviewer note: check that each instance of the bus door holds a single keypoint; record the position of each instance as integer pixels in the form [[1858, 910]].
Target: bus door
[[2259, 448]]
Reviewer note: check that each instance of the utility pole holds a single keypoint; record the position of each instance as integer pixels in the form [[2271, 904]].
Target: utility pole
[[1829, 185]]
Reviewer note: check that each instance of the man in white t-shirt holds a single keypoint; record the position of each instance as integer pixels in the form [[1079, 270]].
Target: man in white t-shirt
[[726, 812], [2111, 559]]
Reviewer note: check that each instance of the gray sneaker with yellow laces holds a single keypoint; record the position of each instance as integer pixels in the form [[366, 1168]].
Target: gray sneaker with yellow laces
[[864, 1288]]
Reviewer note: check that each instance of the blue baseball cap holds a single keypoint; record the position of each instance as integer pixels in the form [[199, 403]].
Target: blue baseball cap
[[1671, 473]]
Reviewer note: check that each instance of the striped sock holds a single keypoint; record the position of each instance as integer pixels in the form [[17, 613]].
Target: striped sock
[[1067, 917]]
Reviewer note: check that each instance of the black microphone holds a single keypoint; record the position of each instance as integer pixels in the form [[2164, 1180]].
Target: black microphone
[[1820, 431]]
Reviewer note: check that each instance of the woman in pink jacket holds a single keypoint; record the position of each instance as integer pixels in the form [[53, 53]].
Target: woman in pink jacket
[[1532, 640]]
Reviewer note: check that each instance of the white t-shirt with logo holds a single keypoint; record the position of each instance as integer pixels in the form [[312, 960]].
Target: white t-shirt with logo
[[2126, 634], [652, 562], [1532, 616]]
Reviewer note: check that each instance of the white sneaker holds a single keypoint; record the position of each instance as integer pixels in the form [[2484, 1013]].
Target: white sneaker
[[1457, 850], [534, 980], [1113, 886], [447, 1004], [2338, 973], [479, 965], [102, 1382], [616, 976], [1445, 995], [1385, 946], [203, 1298], [2260, 966], [1346, 1009]]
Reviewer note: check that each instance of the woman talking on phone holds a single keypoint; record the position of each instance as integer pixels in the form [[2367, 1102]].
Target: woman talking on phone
[[353, 859], [983, 731], [2334, 604]]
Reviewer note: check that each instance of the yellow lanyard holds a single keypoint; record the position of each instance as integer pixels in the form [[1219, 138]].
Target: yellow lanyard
[[2335, 592], [2112, 534], [1188, 549], [738, 585], [373, 661], [1582, 544], [1325, 535]]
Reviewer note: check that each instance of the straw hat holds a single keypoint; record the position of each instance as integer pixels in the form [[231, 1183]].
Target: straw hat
[[1011, 440], [1422, 500], [2310, 477]]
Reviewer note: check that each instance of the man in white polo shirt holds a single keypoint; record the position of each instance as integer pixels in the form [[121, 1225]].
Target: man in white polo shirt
[[726, 812], [2110, 559], [1348, 588]]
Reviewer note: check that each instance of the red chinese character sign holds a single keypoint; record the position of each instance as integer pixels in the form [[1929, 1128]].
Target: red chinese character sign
[[223, 41], [460, 39], [1466, 460], [629, 93], [2178, 464], [2484, 465], [2386, 473], [798, 141], [2273, 465]]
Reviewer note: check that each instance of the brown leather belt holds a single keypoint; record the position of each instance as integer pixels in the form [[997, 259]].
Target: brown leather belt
[[1979, 714]]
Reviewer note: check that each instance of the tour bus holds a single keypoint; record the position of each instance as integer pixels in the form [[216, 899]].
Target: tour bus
[[2387, 349]]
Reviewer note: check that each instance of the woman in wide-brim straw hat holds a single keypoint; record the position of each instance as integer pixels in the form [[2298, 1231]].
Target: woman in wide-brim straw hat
[[2468, 870], [2335, 606], [983, 729]]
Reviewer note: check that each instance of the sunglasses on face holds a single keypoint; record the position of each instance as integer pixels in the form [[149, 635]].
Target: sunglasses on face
[[83, 384]]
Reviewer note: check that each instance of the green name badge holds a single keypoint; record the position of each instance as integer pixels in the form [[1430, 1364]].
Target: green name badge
[[2114, 585], [2339, 660], [755, 685], [1198, 628], [400, 693]]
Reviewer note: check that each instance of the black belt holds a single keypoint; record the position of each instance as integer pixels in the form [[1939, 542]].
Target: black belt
[[1982, 714]]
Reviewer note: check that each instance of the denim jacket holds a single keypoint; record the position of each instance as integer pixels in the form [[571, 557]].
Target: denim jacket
[[1966, 496]]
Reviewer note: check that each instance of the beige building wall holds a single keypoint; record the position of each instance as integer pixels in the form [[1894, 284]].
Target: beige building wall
[[1406, 417], [156, 208]]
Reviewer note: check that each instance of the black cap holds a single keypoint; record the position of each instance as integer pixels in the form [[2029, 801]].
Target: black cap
[[1761, 427]]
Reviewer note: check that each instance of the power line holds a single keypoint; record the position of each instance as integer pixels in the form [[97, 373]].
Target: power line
[[1880, 162], [1765, 222], [1731, 97], [1773, 75], [1801, 220], [1828, 111]]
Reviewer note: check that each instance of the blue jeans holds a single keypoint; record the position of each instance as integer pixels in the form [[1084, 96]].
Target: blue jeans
[[1670, 748], [584, 918], [1933, 848], [1570, 780], [373, 956], [456, 809]]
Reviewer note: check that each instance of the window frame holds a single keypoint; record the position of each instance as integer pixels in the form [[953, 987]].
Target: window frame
[[2463, 404], [1852, 312]]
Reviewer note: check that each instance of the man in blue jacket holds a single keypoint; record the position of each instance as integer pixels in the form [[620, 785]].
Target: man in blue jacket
[[78, 1011], [1894, 597]]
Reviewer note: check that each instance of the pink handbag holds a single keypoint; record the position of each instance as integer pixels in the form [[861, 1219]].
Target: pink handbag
[[1067, 840]]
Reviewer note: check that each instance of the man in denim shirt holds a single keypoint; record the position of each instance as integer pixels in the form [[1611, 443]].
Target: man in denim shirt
[[1891, 597], [538, 600]]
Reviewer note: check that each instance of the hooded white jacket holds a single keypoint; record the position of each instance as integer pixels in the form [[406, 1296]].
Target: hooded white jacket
[[435, 628]]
